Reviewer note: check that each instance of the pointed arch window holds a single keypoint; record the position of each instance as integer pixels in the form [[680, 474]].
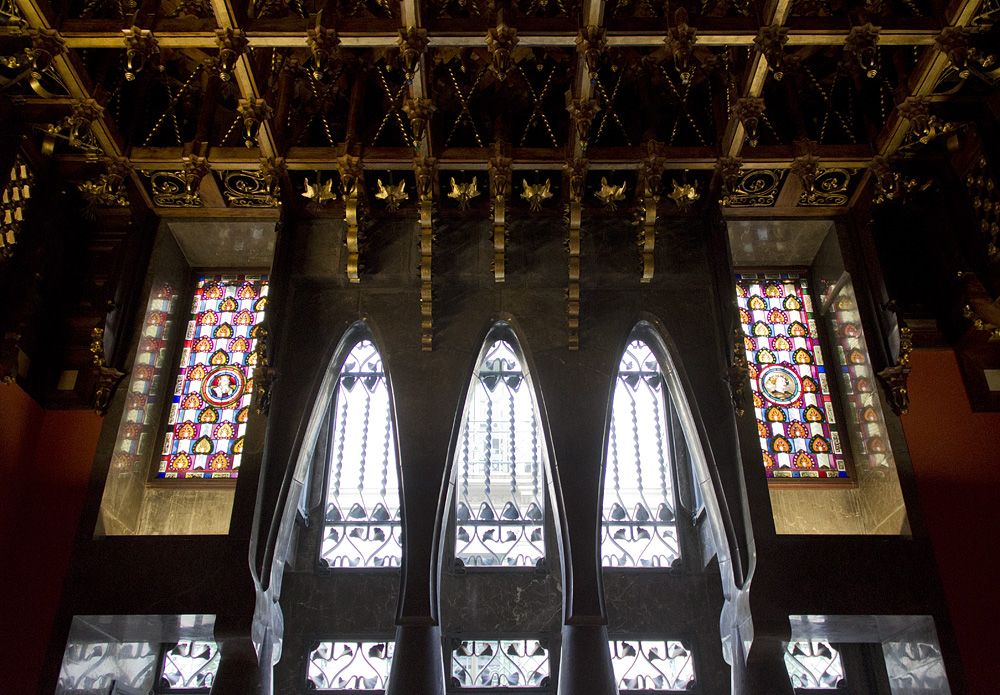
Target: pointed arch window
[[362, 513], [639, 520], [499, 471]]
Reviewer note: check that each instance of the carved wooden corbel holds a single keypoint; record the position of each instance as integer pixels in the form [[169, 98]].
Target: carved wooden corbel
[[501, 172], [500, 41], [412, 43], [352, 185], [419, 111], [141, 51], [592, 42], [426, 174], [576, 172], [727, 175], [582, 113]]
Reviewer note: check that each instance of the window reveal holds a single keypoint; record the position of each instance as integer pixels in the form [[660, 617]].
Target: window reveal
[[362, 515], [499, 477], [639, 523], [791, 392], [208, 417]]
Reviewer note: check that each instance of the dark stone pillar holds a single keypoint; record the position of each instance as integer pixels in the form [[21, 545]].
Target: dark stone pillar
[[585, 661], [417, 664], [427, 391]]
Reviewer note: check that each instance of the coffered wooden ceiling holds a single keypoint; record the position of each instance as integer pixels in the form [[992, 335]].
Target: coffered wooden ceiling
[[223, 108]]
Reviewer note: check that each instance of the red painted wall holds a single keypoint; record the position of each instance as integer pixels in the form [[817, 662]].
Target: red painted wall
[[45, 462], [956, 459]]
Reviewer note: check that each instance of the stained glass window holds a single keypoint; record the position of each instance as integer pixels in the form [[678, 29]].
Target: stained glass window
[[208, 417], [499, 472], [350, 665], [639, 528], [362, 517], [190, 665], [813, 664], [791, 392], [652, 665], [501, 663]]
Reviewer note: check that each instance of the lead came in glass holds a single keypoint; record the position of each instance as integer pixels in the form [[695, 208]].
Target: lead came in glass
[[500, 664], [499, 478], [639, 528], [813, 664], [791, 395], [350, 665], [652, 665], [362, 515], [209, 412]]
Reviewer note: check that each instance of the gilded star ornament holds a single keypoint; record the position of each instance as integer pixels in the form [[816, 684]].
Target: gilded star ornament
[[392, 195], [609, 194], [537, 194], [684, 194], [320, 192], [463, 192]]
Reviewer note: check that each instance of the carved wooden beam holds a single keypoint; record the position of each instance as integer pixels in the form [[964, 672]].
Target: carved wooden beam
[[647, 194]]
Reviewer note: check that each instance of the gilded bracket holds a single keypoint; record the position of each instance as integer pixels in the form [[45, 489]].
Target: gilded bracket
[[263, 374], [770, 41], [106, 379], [680, 44], [324, 45], [141, 50], [108, 189], [254, 112], [419, 111], [748, 110], [501, 41], [500, 171], [576, 171], [738, 373], [592, 42], [582, 112], [727, 177], [412, 43], [894, 378], [648, 192], [352, 189], [862, 45], [232, 43], [426, 174]]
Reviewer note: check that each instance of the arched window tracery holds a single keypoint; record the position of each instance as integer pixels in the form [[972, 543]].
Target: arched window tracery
[[499, 474], [639, 526], [362, 510]]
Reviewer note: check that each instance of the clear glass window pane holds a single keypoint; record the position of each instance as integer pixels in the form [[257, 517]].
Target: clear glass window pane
[[362, 516], [639, 528], [652, 665], [350, 665], [500, 664], [500, 479]]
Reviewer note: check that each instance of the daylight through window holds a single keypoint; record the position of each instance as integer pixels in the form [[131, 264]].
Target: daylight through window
[[499, 481], [791, 391], [209, 413], [362, 514], [639, 528]]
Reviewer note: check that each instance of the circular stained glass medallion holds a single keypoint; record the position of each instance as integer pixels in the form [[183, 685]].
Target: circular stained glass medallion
[[780, 384], [223, 386]]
